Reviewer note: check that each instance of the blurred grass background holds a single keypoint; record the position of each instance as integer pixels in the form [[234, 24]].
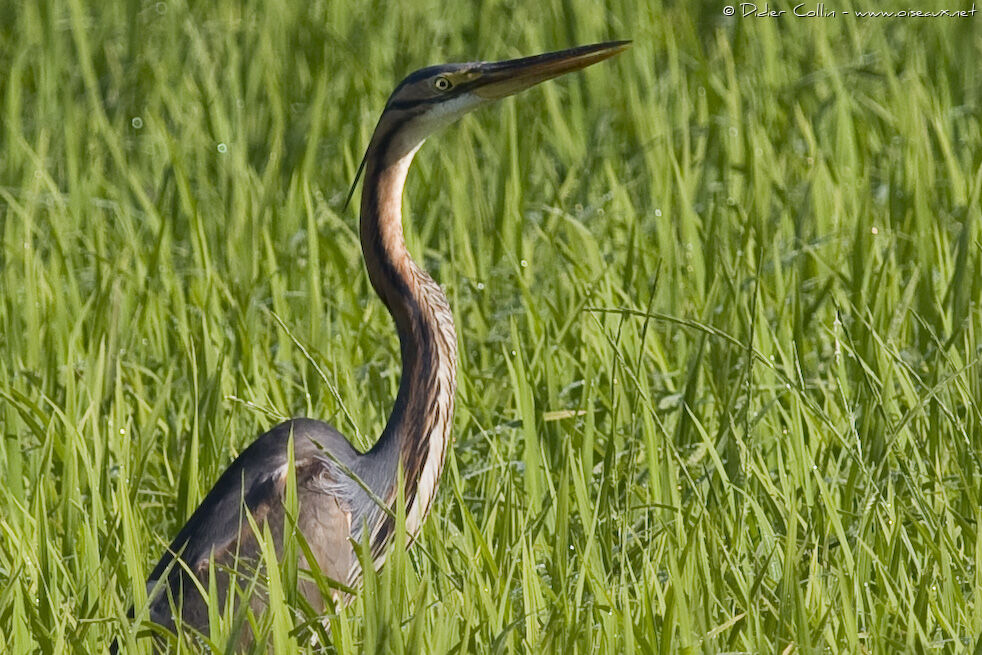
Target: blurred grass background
[[719, 303]]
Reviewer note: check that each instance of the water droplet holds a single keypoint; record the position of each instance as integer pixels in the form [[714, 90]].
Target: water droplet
[[524, 264], [137, 122], [480, 286], [122, 432], [874, 230], [161, 8], [657, 212], [222, 148]]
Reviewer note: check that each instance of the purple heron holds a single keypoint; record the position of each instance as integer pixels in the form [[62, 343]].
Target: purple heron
[[345, 497]]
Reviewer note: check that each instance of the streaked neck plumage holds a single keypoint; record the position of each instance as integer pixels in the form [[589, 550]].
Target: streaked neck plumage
[[418, 430]]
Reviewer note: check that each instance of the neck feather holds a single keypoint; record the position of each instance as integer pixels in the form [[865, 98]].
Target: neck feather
[[418, 429]]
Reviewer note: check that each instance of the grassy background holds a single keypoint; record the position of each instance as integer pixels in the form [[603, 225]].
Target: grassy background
[[719, 304]]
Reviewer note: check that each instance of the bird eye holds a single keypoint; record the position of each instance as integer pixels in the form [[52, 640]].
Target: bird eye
[[442, 84]]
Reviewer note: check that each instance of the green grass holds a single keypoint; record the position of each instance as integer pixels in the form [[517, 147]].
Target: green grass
[[719, 303]]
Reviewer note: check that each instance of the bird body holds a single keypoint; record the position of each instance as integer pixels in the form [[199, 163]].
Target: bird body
[[345, 496], [218, 532]]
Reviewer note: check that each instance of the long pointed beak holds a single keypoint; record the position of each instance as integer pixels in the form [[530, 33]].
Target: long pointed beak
[[505, 78]]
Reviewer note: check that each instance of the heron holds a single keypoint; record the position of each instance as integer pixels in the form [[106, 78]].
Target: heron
[[345, 497]]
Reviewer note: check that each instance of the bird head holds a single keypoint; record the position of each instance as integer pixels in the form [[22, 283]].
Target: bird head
[[433, 97]]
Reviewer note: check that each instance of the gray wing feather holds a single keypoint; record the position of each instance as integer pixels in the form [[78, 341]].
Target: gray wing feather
[[218, 530]]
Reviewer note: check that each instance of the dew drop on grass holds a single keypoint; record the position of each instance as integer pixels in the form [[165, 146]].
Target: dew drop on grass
[[881, 193], [874, 230], [161, 8], [525, 264], [222, 148], [137, 122], [657, 212]]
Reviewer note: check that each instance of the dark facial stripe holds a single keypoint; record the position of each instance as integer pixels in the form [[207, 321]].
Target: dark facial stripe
[[406, 105], [422, 103]]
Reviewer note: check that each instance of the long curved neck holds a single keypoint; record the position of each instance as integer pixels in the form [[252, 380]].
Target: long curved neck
[[419, 426]]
